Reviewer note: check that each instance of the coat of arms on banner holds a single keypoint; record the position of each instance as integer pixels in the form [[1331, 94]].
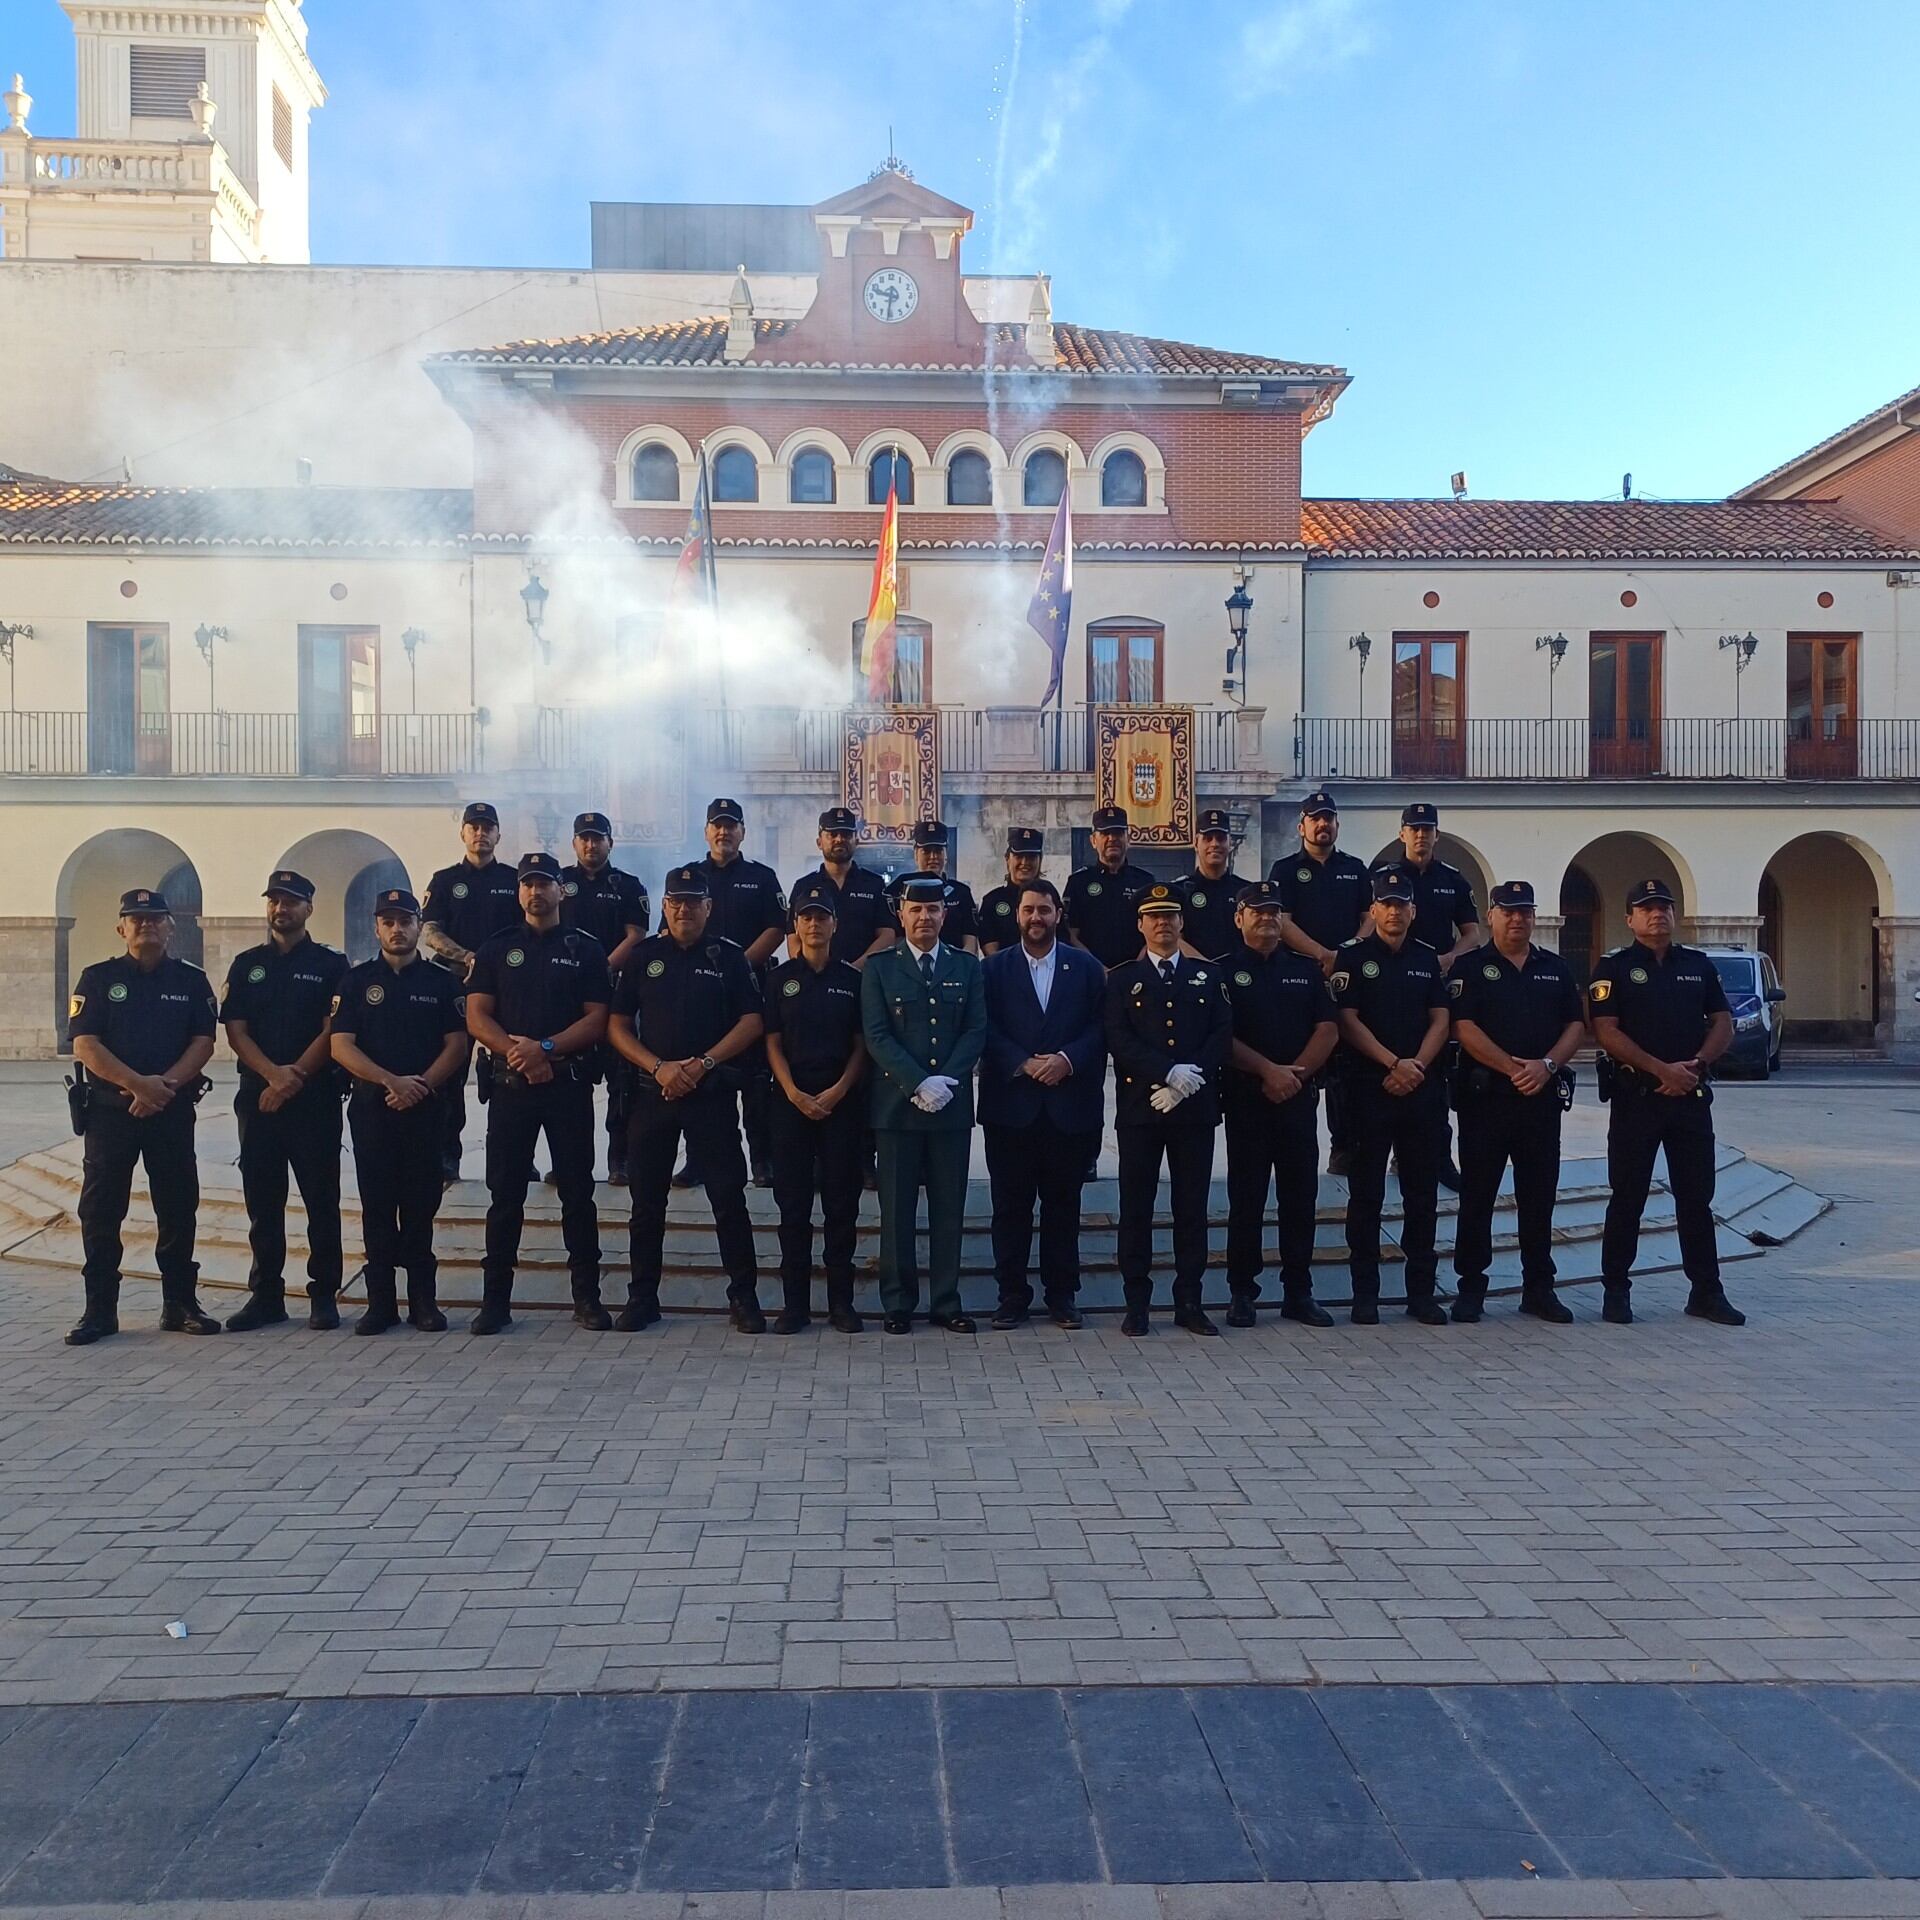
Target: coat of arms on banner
[[890, 771], [1146, 782], [1143, 761]]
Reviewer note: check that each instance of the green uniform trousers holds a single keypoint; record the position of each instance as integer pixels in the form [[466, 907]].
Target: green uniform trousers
[[909, 1161]]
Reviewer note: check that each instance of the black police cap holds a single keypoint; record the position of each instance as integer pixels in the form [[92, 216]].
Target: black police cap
[[593, 823], [839, 820], [687, 883], [1319, 801], [143, 900], [285, 880], [929, 833], [1160, 898], [395, 900], [1420, 813], [1510, 893], [534, 866], [1026, 840], [1261, 895], [926, 888], [724, 809], [1109, 819], [816, 896], [1647, 893], [1392, 883], [1216, 820], [480, 813]]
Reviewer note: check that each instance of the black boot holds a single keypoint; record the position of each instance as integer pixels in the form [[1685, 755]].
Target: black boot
[[1616, 1306], [1304, 1308], [383, 1308], [1240, 1309], [1547, 1305], [743, 1310], [840, 1314], [1469, 1306], [1191, 1317], [641, 1311], [1717, 1308], [184, 1314], [587, 1310], [496, 1308], [99, 1317], [423, 1307], [323, 1308], [1429, 1312], [267, 1308]]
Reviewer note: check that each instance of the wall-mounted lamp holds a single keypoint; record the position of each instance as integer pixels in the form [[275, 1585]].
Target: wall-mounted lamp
[[534, 597], [1239, 605], [1556, 649], [413, 639], [1744, 646], [203, 638]]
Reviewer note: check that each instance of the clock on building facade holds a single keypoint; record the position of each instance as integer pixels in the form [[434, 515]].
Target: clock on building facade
[[891, 294]]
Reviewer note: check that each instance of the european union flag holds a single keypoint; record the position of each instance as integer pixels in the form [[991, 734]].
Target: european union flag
[[1050, 611]]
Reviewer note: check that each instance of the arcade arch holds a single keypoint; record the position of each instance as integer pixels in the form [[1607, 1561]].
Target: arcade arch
[[347, 868], [87, 903], [1819, 895]]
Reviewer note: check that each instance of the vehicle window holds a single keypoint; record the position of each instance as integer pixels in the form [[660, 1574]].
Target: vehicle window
[[1736, 971], [1770, 979]]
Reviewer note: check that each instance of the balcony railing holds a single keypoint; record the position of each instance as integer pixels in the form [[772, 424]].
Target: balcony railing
[[258, 745], [1772, 748]]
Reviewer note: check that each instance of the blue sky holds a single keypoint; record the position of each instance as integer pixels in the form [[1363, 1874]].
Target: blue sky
[[1553, 240]]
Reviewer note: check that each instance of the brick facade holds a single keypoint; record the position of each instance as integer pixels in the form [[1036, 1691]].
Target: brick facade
[[1882, 490]]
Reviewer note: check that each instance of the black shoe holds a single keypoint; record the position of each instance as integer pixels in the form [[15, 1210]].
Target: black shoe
[[449, 1172], [1240, 1311], [747, 1317], [1309, 1312], [263, 1310], [1719, 1309], [1339, 1162], [551, 1178], [593, 1316], [792, 1320], [898, 1323], [636, 1316], [1067, 1318], [91, 1327], [953, 1322], [188, 1316], [845, 1320], [1363, 1313], [378, 1318], [426, 1318], [1005, 1319], [1547, 1306], [1616, 1309], [1430, 1313], [1467, 1310], [1193, 1320], [495, 1316], [1449, 1177], [616, 1176], [323, 1312], [684, 1179], [1135, 1324], [762, 1176]]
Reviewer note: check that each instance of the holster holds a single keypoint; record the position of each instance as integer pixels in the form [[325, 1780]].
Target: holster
[[79, 1098], [483, 1076]]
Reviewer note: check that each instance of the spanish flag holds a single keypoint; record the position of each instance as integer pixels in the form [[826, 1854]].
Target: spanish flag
[[883, 605]]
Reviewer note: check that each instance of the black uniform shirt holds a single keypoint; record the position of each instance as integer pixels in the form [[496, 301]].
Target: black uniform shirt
[[1524, 1009], [1664, 1008], [963, 917], [604, 904], [1100, 913], [864, 911], [747, 902], [684, 1000], [470, 904], [541, 983], [1326, 899], [1393, 993], [1207, 921], [1278, 1000], [144, 1019], [998, 916], [399, 1017], [1442, 902], [817, 1016], [283, 998], [1153, 1025]]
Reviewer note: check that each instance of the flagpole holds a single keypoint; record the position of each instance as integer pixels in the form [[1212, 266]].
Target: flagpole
[[710, 580], [893, 477]]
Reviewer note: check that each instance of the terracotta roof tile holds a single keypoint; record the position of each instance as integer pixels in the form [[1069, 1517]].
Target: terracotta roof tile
[[363, 518], [1604, 530]]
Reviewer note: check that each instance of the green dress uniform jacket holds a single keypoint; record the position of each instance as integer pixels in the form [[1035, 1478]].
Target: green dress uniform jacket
[[914, 1031]]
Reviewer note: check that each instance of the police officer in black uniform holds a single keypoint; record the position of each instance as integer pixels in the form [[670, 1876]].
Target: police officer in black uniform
[[1660, 1015], [999, 911], [1327, 897], [465, 906], [611, 904], [1283, 1034], [818, 1057], [1169, 1030], [1518, 1019], [275, 1006], [687, 1009], [1100, 899], [142, 1025], [400, 1029], [932, 842], [1211, 890], [1392, 1001], [538, 1001]]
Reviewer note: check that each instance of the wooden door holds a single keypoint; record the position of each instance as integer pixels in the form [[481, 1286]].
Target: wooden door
[[1823, 691], [1623, 705], [1430, 705]]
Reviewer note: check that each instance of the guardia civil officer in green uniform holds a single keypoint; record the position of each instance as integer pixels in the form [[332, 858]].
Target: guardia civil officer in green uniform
[[611, 904], [1211, 890], [1661, 1017], [999, 914], [538, 1003], [1100, 898], [924, 1014], [142, 1025], [276, 1003], [1283, 1033], [1392, 1002], [1518, 1019], [466, 904], [1169, 1030], [819, 1058], [400, 1029], [932, 847]]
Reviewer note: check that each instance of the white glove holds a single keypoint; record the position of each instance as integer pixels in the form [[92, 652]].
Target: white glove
[[1164, 1099], [933, 1092], [1188, 1079]]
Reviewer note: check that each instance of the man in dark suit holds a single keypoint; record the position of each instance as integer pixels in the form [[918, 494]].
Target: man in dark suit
[[1042, 1103], [1169, 1029]]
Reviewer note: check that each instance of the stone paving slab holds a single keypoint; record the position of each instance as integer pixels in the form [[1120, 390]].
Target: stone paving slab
[[518, 1798]]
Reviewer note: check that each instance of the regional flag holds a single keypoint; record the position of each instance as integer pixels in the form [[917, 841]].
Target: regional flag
[[883, 605], [1050, 612], [695, 578]]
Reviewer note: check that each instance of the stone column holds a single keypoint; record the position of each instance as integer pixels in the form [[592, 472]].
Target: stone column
[[1723, 930], [1898, 1029], [223, 937], [1546, 930], [28, 989]]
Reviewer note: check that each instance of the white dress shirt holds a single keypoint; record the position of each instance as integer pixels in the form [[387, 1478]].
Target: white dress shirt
[[1041, 971]]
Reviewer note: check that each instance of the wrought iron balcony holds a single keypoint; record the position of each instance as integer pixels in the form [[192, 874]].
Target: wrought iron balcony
[[247, 745]]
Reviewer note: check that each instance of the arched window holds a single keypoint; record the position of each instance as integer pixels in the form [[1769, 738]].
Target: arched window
[[736, 474], [969, 479], [656, 473], [877, 477], [912, 662], [1045, 479], [1123, 479], [811, 482]]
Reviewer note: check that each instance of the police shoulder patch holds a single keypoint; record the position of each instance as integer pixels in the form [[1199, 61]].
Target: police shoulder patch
[[334, 1008], [781, 900], [1456, 988], [1601, 990], [74, 1005], [791, 989], [655, 968], [1339, 981]]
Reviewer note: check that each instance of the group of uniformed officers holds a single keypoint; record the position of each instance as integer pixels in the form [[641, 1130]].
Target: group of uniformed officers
[[858, 1059]]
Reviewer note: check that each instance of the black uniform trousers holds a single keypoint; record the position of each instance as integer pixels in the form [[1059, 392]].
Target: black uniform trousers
[[302, 1139], [1497, 1127], [396, 1160], [1640, 1125], [1188, 1153], [517, 1114], [1272, 1145], [1412, 1129], [707, 1118], [1039, 1165], [816, 1157], [453, 1119], [115, 1143], [1339, 1112]]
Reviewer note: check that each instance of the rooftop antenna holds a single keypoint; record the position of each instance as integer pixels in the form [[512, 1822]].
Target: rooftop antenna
[[1626, 486]]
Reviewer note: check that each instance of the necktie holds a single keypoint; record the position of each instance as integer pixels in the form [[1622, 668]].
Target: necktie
[[926, 968], [1166, 971]]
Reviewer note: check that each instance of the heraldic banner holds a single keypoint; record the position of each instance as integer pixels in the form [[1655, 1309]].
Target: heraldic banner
[[646, 795], [1143, 761], [890, 772]]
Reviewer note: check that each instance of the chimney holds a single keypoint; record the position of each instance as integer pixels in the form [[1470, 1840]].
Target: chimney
[[739, 320], [1040, 346]]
